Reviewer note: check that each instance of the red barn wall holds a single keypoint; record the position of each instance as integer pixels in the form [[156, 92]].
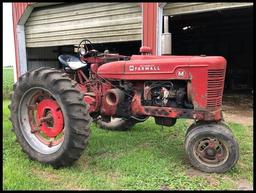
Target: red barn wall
[[17, 11]]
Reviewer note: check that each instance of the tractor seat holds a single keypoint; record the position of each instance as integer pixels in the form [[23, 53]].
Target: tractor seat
[[72, 62]]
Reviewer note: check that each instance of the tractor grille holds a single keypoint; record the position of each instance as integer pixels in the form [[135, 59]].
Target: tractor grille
[[215, 88]]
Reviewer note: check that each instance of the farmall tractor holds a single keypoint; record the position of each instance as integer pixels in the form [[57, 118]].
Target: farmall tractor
[[51, 109]]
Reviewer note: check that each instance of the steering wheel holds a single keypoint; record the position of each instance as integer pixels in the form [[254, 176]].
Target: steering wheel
[[83, 47]]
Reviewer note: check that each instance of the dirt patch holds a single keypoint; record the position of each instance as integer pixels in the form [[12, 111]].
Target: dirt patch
[[71, 186], [165, 187], [191, 172], [83, 162], [49, 176], [243, 184], [113, 177], [238, 108], [143, 145], [55, 179]]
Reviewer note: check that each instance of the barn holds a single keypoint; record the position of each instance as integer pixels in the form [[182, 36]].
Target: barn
[[43, 31]]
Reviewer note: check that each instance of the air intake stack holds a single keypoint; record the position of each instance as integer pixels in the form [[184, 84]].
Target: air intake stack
[[166, 39]]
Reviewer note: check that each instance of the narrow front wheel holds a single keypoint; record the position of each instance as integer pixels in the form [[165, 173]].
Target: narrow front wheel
[[212, 147]]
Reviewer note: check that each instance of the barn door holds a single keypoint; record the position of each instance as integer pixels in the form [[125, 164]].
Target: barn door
[[69, 23]]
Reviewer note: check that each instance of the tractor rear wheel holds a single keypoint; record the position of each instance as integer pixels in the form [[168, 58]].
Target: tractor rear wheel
[[211, 147], [49, 117], [116, 124]]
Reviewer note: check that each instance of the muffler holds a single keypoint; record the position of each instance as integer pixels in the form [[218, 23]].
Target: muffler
[[111, 101], [114, 97]]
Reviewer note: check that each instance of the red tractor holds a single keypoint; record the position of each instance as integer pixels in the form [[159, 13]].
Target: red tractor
[[51, 109]]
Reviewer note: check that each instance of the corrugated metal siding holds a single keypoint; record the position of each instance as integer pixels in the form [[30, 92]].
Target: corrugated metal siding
[[67, 24], [183, 8]]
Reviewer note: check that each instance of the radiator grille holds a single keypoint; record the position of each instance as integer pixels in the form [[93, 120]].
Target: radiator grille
[[215, 88]]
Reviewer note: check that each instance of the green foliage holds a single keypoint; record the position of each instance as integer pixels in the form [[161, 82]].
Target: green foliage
[[148, 157], [7, 82]]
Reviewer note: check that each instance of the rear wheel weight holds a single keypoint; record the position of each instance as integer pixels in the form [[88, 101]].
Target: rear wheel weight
[[211, 147], [63, 132]]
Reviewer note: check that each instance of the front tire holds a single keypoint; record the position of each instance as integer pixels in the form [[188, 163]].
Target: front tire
[[211, 147], [49, 117]]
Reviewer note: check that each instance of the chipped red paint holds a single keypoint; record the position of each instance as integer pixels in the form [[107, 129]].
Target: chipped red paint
[[92, 103], [138, 109], [202, 89]]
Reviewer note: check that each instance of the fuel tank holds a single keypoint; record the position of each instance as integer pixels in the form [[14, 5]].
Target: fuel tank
[[149, 67]]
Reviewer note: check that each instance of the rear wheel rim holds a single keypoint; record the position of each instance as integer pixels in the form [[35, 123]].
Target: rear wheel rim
[[41, 120]]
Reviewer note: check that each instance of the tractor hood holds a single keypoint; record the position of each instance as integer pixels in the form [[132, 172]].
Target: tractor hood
[[148, 67]]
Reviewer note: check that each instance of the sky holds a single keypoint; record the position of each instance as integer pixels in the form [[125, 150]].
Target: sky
[[8, 39]]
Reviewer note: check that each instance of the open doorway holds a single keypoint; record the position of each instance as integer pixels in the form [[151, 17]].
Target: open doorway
[[228, 33], [48, 56]]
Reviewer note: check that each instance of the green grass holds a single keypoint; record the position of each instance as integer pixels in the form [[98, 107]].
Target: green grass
[[146, 157], [7, 82]]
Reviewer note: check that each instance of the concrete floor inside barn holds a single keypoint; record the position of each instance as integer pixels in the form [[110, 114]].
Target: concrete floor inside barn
[[238, 108]]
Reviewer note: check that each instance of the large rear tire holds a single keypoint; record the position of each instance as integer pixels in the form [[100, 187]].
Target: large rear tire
[[49, 117], [211, 147]]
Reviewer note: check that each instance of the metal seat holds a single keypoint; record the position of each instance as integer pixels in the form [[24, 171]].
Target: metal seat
[[72, 62]]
